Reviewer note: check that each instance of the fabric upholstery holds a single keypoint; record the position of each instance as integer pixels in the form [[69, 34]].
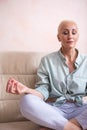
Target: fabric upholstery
[[23, 67]]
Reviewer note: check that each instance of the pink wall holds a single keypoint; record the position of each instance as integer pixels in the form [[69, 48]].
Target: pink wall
[[31, 25]]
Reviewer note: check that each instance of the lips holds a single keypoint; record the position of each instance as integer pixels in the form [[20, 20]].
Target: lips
[[70, 41]]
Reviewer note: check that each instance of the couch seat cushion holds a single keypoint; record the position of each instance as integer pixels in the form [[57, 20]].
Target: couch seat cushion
[[23, 125]]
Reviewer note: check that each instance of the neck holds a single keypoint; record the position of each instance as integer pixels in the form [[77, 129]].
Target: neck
[[70, 55]]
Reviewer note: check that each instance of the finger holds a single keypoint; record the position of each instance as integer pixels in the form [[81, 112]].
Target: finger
[[9, 85], [17, 88], [13, 88]]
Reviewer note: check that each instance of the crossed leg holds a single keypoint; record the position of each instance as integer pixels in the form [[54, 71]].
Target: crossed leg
[[74, 127], [36, 110], [73, 123], [54, 122]]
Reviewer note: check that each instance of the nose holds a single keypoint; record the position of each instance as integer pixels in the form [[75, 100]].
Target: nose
[[70, 35]]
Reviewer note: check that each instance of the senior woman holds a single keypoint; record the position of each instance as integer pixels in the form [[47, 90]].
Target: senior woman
[[62, 75]]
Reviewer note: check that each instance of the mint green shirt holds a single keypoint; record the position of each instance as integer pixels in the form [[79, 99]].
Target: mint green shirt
[[55, 80]]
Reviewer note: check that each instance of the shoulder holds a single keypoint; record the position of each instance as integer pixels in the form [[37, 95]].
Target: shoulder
[[50, 58], [82, 59], [51, 55], [83, 56]]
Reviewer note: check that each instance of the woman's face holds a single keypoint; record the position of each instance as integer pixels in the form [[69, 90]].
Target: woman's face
[[68, 35]]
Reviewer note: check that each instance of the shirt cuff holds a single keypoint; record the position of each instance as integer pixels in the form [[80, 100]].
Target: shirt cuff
[[44, 92]]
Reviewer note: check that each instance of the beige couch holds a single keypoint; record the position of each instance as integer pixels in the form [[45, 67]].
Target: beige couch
[[22, 66]]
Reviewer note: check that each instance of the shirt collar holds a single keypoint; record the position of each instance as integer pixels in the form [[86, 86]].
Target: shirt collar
[[78, 59]]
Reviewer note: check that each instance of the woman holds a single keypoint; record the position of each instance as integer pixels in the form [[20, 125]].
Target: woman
[[62, 76]]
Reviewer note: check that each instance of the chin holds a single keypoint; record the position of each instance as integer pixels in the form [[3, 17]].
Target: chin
[[70, 47]]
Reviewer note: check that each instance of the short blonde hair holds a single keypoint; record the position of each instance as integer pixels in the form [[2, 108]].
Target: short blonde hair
[[65, 22]]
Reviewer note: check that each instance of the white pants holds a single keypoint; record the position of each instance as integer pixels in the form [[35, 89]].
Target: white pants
[[44, 114]]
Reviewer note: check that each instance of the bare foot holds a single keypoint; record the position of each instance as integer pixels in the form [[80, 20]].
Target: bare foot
[[71, 126], [74, 121]]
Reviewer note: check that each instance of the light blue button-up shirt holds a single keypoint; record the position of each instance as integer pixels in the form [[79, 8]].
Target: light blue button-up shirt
[[55, 80]]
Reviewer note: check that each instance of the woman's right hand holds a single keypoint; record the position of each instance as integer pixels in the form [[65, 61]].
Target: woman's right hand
[[84, 99], [15, 87]]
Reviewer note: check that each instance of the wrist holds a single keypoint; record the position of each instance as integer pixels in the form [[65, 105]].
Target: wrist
[[27, 90]]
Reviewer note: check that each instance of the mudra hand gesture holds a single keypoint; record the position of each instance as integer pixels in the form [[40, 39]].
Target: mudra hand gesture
[[15, 87]]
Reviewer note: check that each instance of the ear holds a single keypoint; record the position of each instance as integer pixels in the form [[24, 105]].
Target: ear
[[58, 36]]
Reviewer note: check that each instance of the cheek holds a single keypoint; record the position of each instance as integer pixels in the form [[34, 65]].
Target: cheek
[[76, 39], [64, 39]]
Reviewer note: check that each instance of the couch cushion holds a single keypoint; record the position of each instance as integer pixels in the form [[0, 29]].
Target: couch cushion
[[23, 67], [23, 125]]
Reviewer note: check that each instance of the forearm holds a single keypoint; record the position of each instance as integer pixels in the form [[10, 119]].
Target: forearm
[[34, 92], [15, 87]]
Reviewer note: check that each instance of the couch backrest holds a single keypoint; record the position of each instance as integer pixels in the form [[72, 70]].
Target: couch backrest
[[22, 66]]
